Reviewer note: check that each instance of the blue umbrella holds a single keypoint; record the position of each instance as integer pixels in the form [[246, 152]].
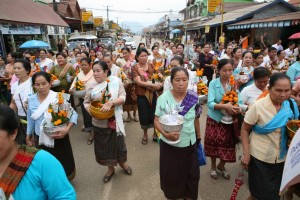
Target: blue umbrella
[[176, 31], [34, 44]]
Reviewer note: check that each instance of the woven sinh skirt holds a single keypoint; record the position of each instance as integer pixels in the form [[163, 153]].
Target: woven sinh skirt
[[179, 171], [131, 98], [264, 179], [62, 151], [219, 141], [110, 148], [146, 112]]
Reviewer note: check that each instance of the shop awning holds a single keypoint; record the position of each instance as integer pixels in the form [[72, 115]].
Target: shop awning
[[283, 20], [234, 16], [27, 11]]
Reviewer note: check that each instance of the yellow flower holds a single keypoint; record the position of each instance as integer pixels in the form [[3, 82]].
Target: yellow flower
[[50, 110]]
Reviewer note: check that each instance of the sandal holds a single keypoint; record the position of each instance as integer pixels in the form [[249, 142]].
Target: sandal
[[136, 119], [107, 178], [90, 141], [225, 174], [128, 170], [213, 174], [144, 141]]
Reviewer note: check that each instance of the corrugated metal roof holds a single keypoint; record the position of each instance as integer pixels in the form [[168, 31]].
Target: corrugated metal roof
[[283, 17], [233, 15], [26, 11]]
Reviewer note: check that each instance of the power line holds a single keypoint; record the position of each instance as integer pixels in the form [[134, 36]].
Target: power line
[[133, 12]]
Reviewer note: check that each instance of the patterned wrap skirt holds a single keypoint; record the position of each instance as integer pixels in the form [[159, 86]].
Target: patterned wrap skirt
[[110, 148], [219, 141], [264, 179], [131, 98]]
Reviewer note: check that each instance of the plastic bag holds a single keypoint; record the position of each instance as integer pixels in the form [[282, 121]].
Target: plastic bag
[[201, 155]]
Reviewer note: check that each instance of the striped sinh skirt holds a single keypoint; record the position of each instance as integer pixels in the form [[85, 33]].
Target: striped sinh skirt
[[110, 148], [179, 171], [219, 141], [264, 179]]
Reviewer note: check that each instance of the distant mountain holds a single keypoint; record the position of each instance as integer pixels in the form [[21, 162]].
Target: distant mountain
[[136, 27]]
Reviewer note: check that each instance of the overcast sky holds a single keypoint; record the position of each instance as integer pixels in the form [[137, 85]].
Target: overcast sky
[[133, 5]]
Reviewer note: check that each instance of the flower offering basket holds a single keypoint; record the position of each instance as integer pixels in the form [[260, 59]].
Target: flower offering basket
[[171, 123], [97, 114], [292, 126]]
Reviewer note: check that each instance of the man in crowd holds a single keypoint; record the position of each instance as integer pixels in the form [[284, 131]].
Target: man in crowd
[[278, 45]]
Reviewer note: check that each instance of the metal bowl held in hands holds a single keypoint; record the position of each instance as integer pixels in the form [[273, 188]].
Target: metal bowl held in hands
[[56, 83], [49, 130], [171, 123], [79, 93]]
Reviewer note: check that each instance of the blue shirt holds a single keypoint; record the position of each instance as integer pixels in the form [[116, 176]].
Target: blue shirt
[[34, 125], [45, 179], [293, 72], [215, 95]]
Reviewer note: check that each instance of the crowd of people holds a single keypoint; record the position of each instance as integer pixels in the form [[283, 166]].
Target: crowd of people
[[264, 87]]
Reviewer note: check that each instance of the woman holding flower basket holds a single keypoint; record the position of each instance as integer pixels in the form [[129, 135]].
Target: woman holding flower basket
[[145, 89], [50, 119], [156, 59], [78, 89], [265, 153], [220, 138], [104, 102], [130, 103]]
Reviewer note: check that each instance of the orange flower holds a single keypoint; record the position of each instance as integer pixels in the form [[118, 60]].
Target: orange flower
[[60, 101], [107, 80], [50, 110]]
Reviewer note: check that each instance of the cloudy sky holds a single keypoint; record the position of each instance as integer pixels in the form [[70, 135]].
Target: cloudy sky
[[133, 5]]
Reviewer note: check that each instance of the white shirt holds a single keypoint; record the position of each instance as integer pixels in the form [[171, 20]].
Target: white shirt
[[46, 64], [296, 52], [250, 93], [278, 47], [22, 91], [115, 70], [288, 52], [225, 56], [168, 85], [266, 58]]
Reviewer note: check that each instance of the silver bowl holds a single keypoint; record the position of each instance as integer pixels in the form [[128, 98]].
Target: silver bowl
[[202, 98], [79, 93], [50, 130], [226, 118], [56, 83], [173, 127]]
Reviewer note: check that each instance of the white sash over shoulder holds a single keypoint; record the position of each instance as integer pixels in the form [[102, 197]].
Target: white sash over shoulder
[[23, 87], [113, 87]]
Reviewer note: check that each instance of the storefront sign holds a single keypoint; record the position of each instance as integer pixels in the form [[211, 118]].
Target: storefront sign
[[87, 17], [98, 21], [15, 29], [50, 30], [214, 7]]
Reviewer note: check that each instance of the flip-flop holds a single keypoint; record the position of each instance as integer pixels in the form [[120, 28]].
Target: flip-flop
[[128, 170], [106, 178], [144, 141], [225, 174], [90, 141], [213, 174]]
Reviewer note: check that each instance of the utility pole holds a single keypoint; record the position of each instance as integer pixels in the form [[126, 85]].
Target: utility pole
[[117, 20], [107, 10]]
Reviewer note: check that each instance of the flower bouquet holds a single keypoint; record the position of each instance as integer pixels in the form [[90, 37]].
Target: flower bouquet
[[79, 88], [122, 75], [292, 127], [230, 96], [215, 60], [61, 112], [157, 76], [202, 89], [55, 81], [95, 108]]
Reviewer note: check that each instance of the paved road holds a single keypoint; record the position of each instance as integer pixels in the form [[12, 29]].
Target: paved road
[[144, 184]]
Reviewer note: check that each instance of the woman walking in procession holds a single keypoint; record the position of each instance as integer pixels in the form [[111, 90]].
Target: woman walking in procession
[[220, 138], [110, 148]]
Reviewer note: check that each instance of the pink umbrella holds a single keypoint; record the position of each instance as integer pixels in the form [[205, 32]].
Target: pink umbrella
[[295, 36]]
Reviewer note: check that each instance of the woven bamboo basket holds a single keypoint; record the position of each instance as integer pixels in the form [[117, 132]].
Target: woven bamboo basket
[[97, 114], [292, 127]]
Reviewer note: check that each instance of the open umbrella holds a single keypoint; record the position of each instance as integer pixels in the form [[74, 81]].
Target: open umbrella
[[295, 36], [34, 44], [176, 31]]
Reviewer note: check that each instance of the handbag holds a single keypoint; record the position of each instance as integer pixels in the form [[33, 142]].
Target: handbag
[[112, 123], [201, 155]]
